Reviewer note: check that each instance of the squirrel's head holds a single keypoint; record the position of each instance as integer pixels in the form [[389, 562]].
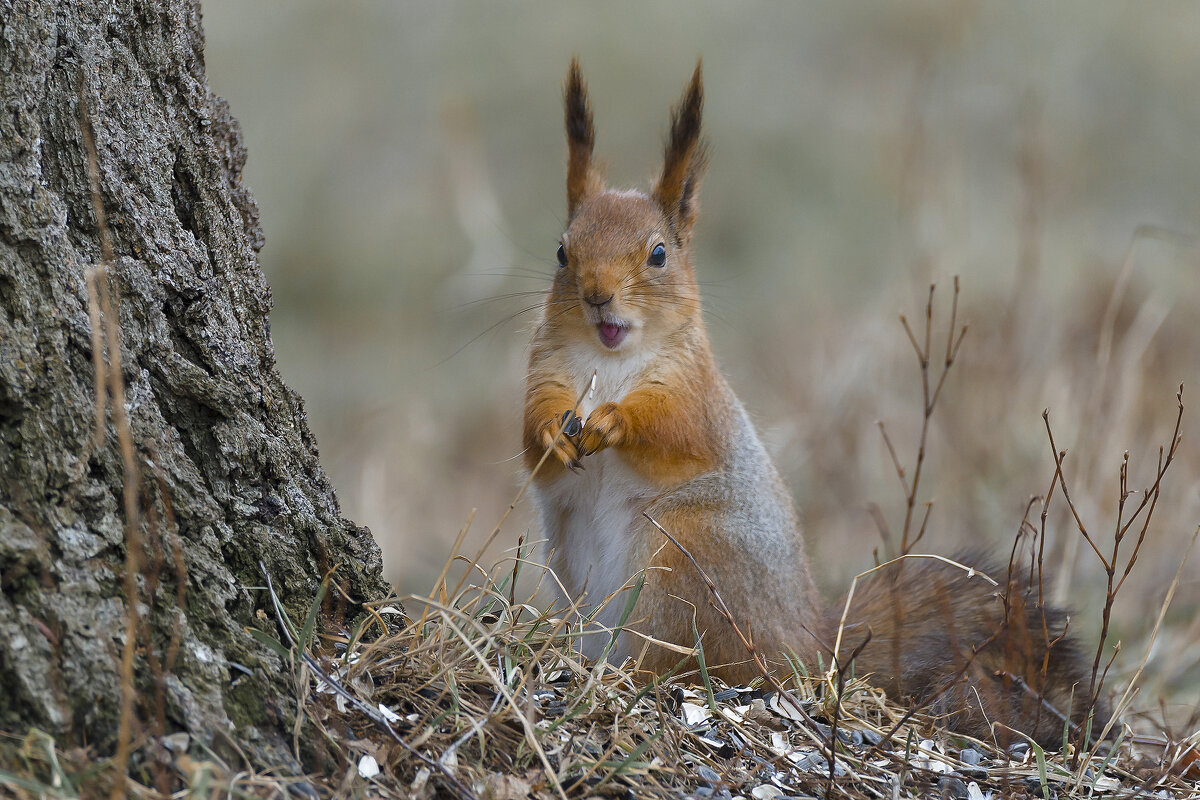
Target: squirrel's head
[[625, 268]]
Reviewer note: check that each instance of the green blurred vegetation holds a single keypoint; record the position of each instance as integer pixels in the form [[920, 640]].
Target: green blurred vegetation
[[408, 163]]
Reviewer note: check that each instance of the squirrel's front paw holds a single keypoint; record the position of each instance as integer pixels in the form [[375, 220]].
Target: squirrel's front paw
[[607, 426], [564, 445]]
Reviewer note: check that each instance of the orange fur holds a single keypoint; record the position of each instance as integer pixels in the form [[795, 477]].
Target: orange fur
[[664, 434], [544, 407]]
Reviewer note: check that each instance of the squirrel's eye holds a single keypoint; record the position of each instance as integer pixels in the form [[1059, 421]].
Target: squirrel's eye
[[658, 256], [562, 256]]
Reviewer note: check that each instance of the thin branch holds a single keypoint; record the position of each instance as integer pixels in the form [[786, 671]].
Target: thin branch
[[929, 400], [1059, 457], [895, 460]]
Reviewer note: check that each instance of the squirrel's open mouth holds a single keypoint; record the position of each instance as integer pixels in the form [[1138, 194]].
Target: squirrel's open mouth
[[612, 333]]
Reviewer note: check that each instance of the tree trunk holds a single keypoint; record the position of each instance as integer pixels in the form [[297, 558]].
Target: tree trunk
[[221, 470]]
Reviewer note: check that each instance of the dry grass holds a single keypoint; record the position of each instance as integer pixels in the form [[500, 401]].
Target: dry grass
[[481, 694], [884, 151], [491, 689], [484, 695]]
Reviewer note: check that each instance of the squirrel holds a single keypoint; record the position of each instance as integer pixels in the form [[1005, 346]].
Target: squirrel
[[624, 393]]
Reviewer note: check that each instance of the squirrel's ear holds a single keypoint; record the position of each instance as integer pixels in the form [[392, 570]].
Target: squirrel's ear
[[683, 161], [582, 178]]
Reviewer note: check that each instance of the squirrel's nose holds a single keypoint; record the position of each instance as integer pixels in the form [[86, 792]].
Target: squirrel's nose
[[594, 299]]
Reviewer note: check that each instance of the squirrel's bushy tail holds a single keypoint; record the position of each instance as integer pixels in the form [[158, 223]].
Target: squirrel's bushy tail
[[984, 657]]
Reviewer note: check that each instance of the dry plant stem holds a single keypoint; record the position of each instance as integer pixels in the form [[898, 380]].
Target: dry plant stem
[[176, 544], [524, 487], [837, 708], [929, 403], [1148, 503], [152, 574], [885, 532], [108, 300], [439, 586], [1036, 566], [133, 543], [1127, 695], [512, 584]]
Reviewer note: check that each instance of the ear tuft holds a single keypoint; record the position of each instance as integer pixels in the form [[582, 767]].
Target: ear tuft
[[581, 138], [683, 160]]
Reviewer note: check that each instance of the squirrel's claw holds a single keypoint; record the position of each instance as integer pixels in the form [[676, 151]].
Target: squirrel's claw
[[564, 448]]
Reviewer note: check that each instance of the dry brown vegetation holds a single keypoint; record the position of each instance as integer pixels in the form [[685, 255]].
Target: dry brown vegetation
[[857, 157], [478, 691], [482, 692]]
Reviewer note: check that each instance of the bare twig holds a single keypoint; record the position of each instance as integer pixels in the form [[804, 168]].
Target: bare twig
[[1162, 613], [1144, 511], [837, 708], [930, 395]]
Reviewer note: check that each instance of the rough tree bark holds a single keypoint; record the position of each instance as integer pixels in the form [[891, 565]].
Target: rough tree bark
[[226, 465]]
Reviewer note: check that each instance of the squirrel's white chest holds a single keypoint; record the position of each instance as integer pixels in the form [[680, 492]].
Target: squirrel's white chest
[[590, 518]]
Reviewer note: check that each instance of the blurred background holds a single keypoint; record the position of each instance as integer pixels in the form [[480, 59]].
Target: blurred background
[[408, 162]]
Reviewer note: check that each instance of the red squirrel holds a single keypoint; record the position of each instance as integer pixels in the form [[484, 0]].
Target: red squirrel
[[663, 434]]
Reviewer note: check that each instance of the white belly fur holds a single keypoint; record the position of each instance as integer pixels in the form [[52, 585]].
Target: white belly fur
[[589, 518]]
